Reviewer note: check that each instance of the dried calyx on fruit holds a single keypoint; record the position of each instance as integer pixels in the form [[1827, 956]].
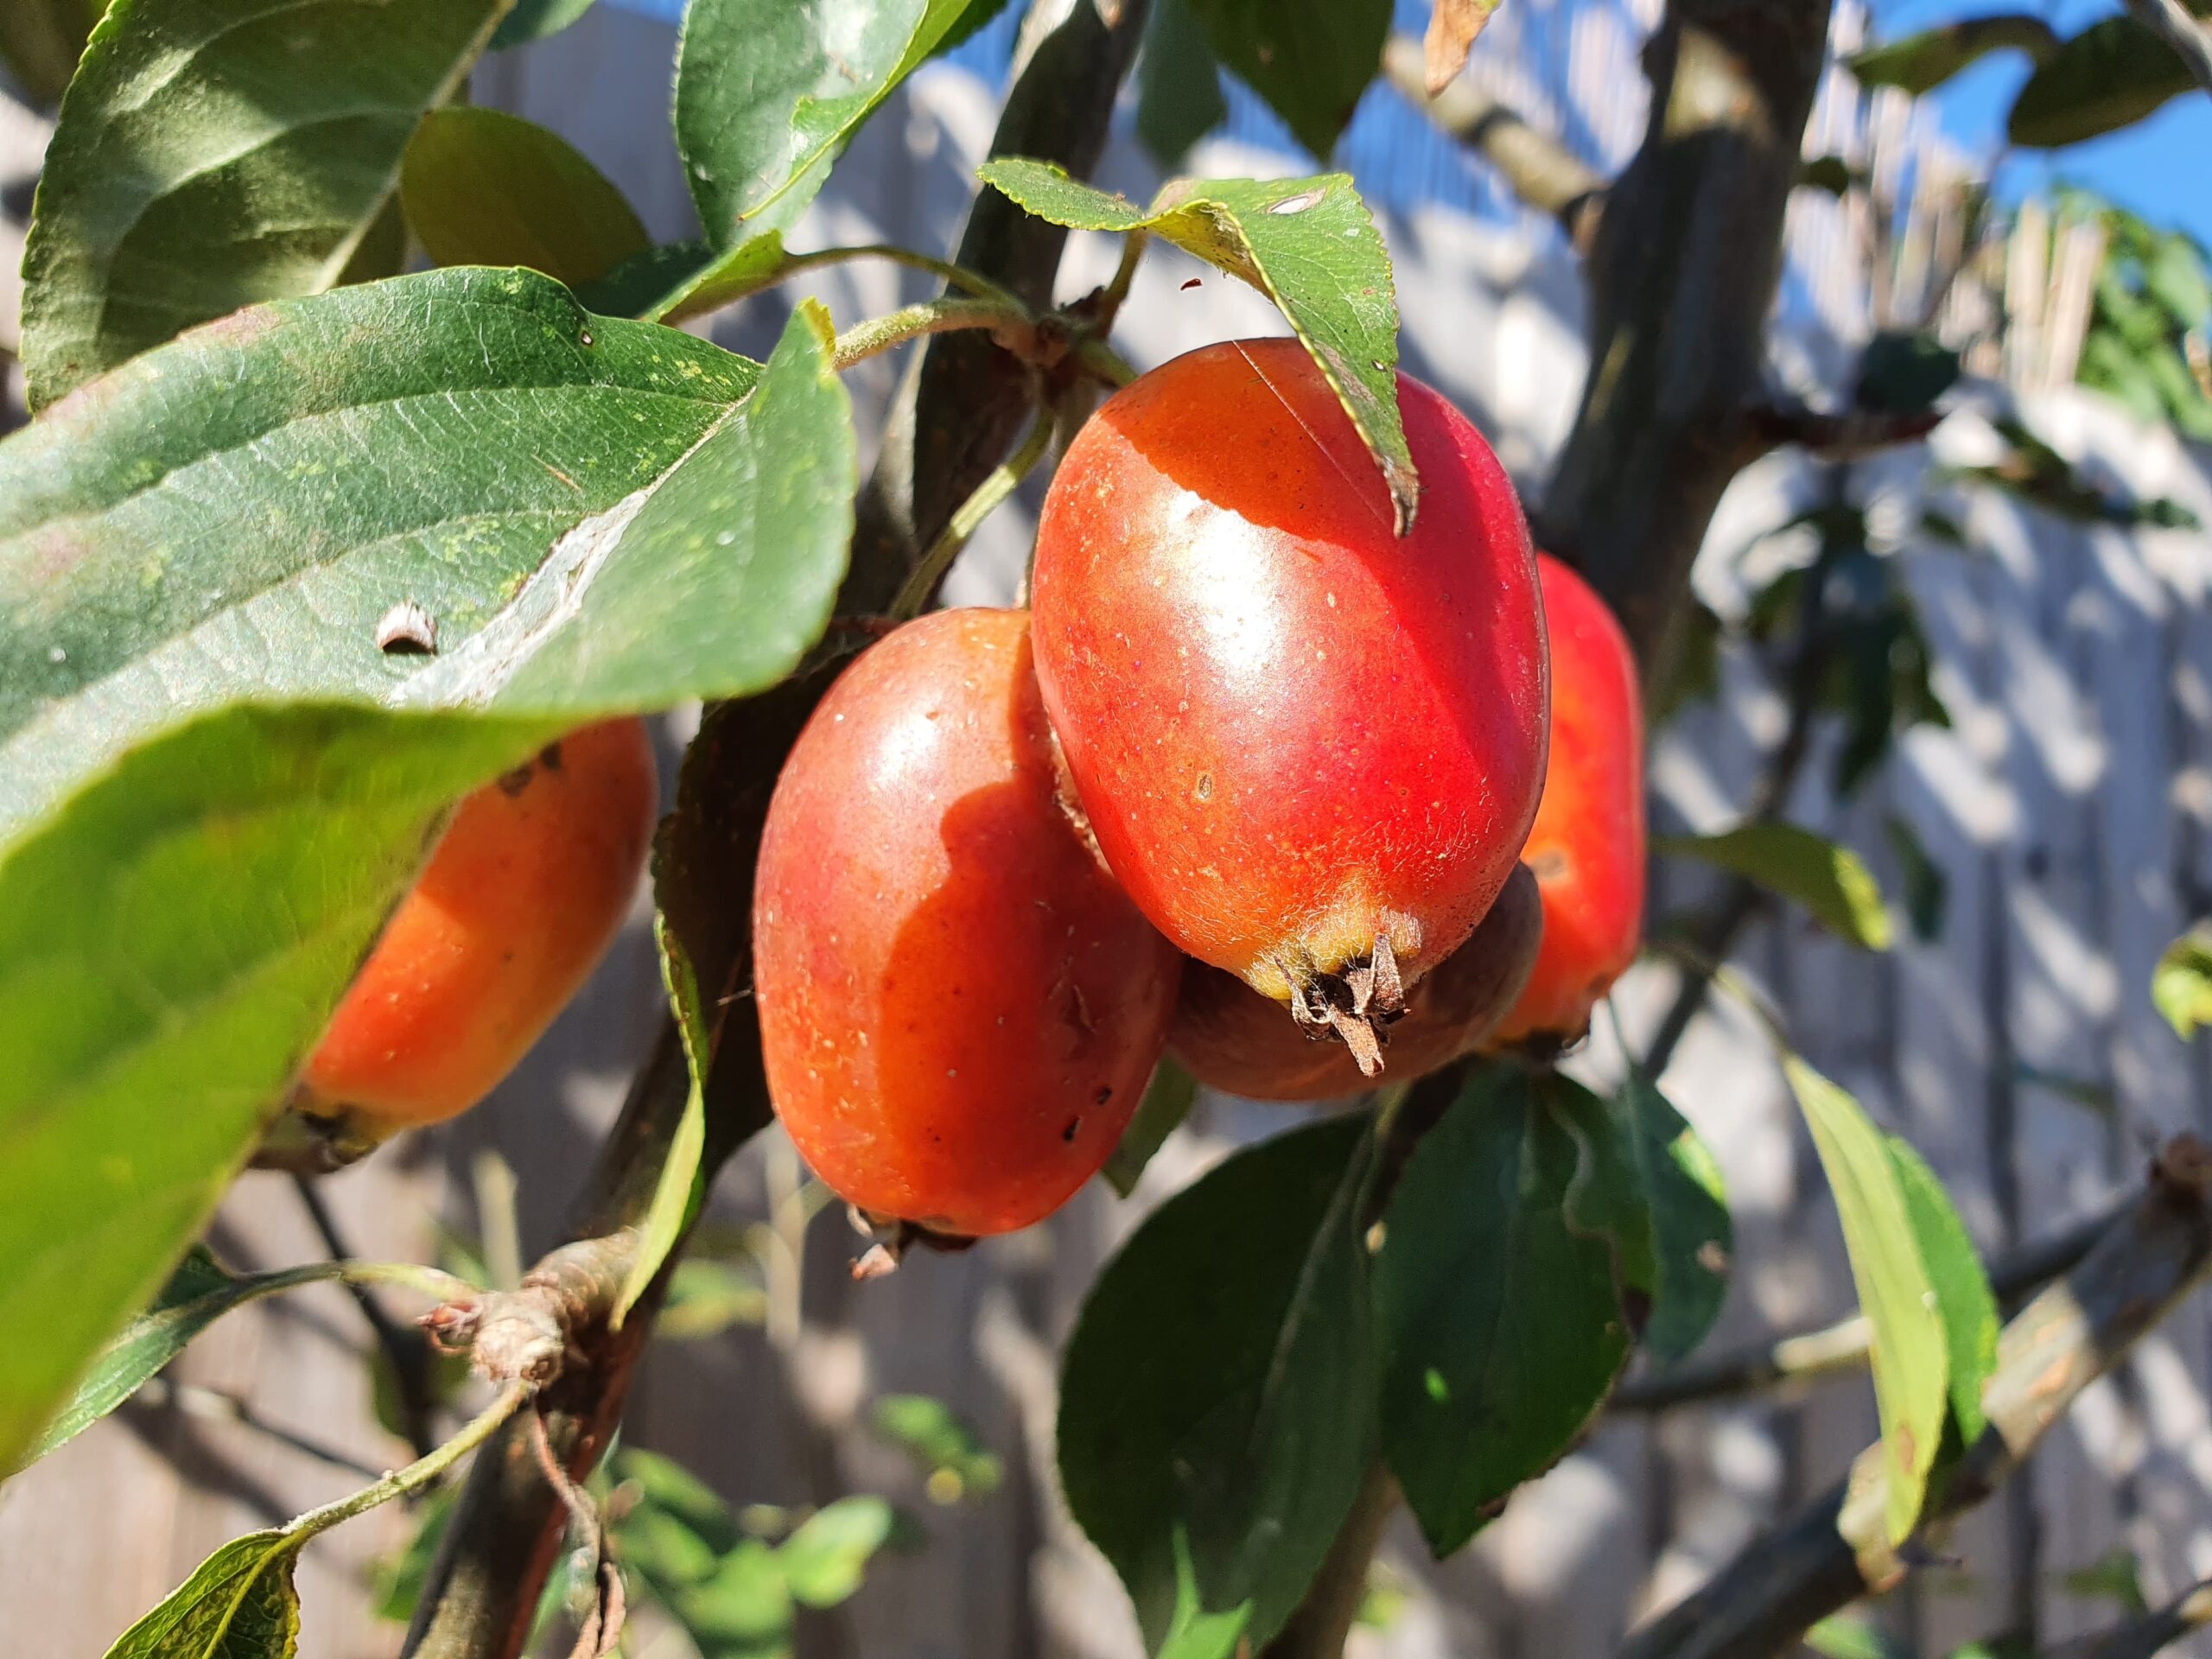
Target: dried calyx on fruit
[[1232, 1038], [521, 898], [958, 1007], [1587, 848], [1310, 749]]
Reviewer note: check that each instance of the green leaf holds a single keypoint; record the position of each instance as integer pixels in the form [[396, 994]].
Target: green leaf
[[484, 188], [953, 1461], [173, 938], [239, 1604], [1500, 1326], [2175, 277], [1178, 84], [1167, 1100], [768, 92], [1310, 60], [1962, 1293], [712, 583], [1828, 881], [2110, 75], [201, 527], [1694, 1238], [1839, 1637], [675, 288], [2181, 984], [1830, 173], [823, 1559], [1307, 244], [2116, 1577], [681, 1185], [1215, 1414], [534, 20], [42, 39], [1920, 63], [1927, 889], [706, 1298], [1902, 374], [215, 153], [199, 1292], [1910, 1342]]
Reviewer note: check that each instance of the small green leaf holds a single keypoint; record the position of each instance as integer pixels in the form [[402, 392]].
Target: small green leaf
[[1828, 881], [1693, 1235], [953, 1461], [1310, 60], [706, 1298], [677, 289], [2110, 75], [1215, 1409], [1500, 1326], [1830, 173], [1927, 889], [199, 1292], [211, 156], [1307, 244], [1962, 1293], [1910, 1348], [2116, 1577], [534, 20], [173, 938], [42, 39], [1920, 63], [681, 1185], [823, 1559], [484, 188], [2181, 984], [1167, 1100], [1839, 1637], [768, 93], [1902, 374], [1178, 84], [239, 1604]]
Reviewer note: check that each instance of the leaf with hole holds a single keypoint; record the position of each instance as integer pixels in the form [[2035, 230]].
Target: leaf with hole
[[201, 528], [1215, 1405], [768, 93], [1910, 1343], [212, 155], [1307, 244], [484, 188], [1516, 1235], [2110, 75], [1310, 60], [1920, 63], [2181, 984], [1830, 881]]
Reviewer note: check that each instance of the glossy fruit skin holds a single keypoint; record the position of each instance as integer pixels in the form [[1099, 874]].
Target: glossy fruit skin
[[522, 896], [1292, 730], [1230, 1038], [958, 1007], [1587, 848]]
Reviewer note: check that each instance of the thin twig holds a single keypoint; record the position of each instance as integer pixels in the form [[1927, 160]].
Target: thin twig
[[405, 1351], [2076, 1331], [2148, 1634], [1801, 1356], [1543, 172], [969, 518]]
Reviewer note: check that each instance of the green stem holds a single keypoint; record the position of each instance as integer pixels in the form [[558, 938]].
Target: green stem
[[968, 282], [967, 518], [1109, 299], [417, 1474], [1103, 362], [865, 339]]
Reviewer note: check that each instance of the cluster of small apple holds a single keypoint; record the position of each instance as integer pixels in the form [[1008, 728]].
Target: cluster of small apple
[[1255, 778]]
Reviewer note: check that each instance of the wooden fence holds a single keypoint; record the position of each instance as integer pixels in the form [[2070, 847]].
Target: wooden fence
[[2069, 809]]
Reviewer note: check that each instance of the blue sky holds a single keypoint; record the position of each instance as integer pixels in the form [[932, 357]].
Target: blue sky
[[2160, 169]]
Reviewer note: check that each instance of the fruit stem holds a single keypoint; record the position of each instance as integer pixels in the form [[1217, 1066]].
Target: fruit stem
[[418, 1474], [792, 265], [967, 518], [865, 339]]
